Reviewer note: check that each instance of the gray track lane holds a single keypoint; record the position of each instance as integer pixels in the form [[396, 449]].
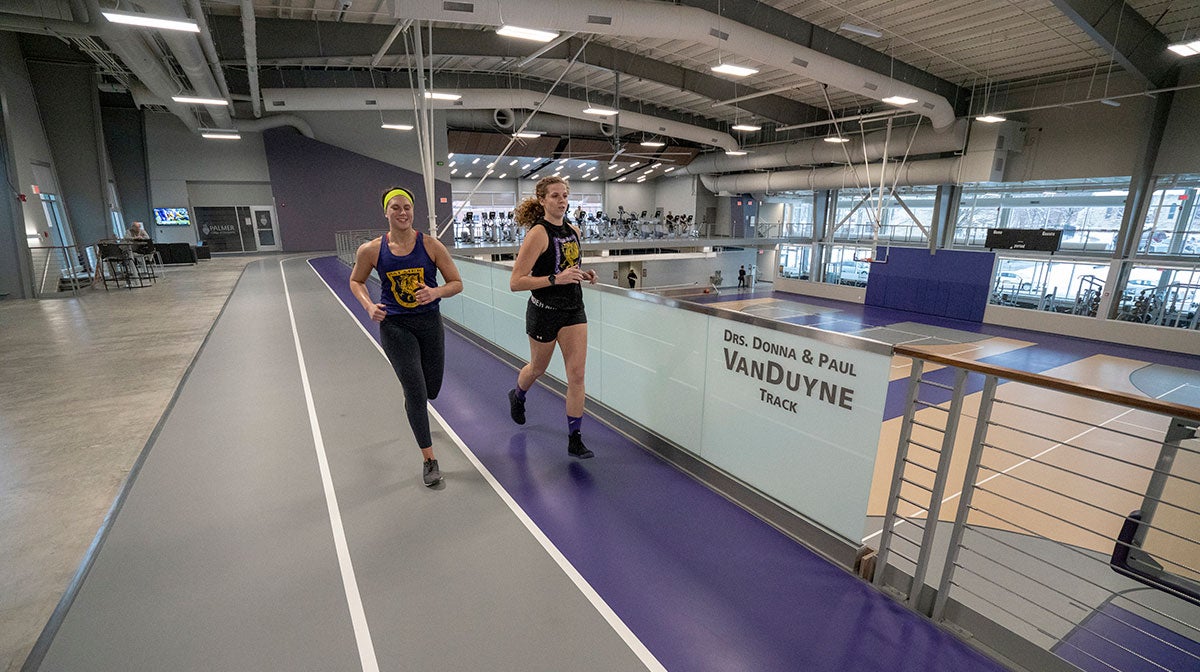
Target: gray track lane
[[450, 579], [221, 557]]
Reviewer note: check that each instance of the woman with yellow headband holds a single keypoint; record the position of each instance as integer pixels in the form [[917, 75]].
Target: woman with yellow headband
[[548, 266], [410, 323]]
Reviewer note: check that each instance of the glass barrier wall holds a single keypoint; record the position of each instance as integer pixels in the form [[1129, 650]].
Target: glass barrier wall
[[846, 264], [795, 261]]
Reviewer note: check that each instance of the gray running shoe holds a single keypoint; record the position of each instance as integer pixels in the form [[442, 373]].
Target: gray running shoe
[[575, 447], [516, 407], [431, 475]]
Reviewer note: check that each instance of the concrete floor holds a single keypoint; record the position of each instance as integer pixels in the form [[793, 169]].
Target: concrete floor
[[85, 381]]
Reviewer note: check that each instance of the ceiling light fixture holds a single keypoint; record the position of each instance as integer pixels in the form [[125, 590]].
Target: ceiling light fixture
[[193, 100], [851, 28], [749, 128], [526, 33], [653, 143], [1186, 48], [502, 176], [467, 175], [1110, 102], [398, 127], [527, 134], [476, 160], [734, 152], [599, 111], [220, 135], [836, 139], [595, 178], [899, 100], [437, 95], [734, 70], [669, 169], [147, 21], [991, 119]]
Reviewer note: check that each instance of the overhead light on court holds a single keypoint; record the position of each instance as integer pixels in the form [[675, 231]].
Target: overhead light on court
[[653, 143], [836, 139], [899, 100], [991, 119], [220, 134], [734, 70], [437, 95], [193, 100], [526, 33], [749, 128], [599, 111], [397, 127], [1110, 102], [527, 134], [851, 28], [147, 21], [734, 152], [1186, 48]]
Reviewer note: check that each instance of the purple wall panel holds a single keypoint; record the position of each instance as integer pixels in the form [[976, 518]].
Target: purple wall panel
[[320, 189], [951, 283]]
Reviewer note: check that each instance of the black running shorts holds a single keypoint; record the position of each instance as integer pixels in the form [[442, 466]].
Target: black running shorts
[[542, 324]]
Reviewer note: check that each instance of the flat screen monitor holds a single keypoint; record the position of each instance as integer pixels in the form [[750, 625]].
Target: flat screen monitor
[[172, 217]]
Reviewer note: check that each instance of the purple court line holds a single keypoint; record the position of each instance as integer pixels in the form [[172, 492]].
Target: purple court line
[[702, 583]]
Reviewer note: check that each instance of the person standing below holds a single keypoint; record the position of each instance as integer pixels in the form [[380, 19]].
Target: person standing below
[[632, 278], [741, 277], [410, 321], [548, 267]]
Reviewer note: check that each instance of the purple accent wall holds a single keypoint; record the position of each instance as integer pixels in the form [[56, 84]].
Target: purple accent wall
[[320, 189], [951, 283]]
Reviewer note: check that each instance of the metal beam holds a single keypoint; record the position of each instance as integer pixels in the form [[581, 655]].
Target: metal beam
[[1131, 40]]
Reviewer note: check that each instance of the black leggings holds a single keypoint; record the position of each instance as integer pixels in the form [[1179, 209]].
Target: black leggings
[[415, 345]]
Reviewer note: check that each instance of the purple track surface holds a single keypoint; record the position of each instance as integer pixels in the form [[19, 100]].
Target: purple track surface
[[1112, 638], [701, 582]]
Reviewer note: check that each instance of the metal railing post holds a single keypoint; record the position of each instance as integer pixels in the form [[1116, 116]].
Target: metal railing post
[[893, 500]]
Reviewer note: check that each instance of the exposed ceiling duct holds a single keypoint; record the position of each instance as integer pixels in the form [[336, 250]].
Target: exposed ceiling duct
[[816, 151], [918, 173], [273, 121], [250, 39], [329, 100], [190, 55], [638, 19], [546, 123]]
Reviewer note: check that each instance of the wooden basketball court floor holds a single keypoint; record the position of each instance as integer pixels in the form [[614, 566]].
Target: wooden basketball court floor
[[277, 520]]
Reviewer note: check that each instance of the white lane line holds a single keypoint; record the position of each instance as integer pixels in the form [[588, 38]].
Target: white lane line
[[1023, 462], [358, 616], [614, 621]]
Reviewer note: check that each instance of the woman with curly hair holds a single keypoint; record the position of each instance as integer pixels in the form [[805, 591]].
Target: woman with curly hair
[[548, 266]]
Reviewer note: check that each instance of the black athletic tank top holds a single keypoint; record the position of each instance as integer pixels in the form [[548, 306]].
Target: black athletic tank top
[[561, 254]]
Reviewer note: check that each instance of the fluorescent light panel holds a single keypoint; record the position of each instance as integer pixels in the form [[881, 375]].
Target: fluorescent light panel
[[735, 70], [399, 127], [991, 119], [192, 100], [869, 32], [836, 139], [1110, 102], [147, 21], [528, 134], [221, 135], [526, 33], [899, 100], [749, 128], [435, 95], [599, 111], [734, 152], [653, 143], [1186, 48]]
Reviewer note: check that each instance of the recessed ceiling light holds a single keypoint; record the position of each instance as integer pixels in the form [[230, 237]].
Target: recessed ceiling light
[[669, 169], [436, 95], [453, 171], [476, 160], [450, 155], [749, 128], [526, 166], [397, 127], [147, 21], [453, 163], [991, 119], [595, 178], [502, 176], [599, 111], [526, 33], [899, 100], [735, 70], [193, 100], [612, 166], [467, 175], [620, 179]]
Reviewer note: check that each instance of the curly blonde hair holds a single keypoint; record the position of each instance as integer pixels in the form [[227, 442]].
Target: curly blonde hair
[[530, 211]]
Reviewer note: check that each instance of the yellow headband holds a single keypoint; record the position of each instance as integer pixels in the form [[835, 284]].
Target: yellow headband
[[394, 193]]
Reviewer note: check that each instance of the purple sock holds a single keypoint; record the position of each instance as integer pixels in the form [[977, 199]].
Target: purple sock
[[573, 424], [520, 392]]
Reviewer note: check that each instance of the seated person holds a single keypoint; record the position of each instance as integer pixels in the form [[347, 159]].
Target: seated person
[[135, 230]]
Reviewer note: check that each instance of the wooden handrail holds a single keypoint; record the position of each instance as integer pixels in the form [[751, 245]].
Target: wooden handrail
[[1090, 391]]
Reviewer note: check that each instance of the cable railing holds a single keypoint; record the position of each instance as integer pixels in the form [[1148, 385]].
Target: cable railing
[[1053, 522], [58, 269]]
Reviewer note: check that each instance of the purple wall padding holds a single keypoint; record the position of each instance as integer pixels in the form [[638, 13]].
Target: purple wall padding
[[950, 283], [320, 189]]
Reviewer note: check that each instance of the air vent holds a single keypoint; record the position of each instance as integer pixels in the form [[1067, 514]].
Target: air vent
[[870, 86], [999, 168], [599, 20], [468, 7], [720, 35], [928, 106], [277, 103], [796, 60], [370, 102]]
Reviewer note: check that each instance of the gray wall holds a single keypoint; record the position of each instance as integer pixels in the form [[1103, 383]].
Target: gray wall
[[1180, 151], [125, 140], [677, 195], [634, 197], [66, 97]]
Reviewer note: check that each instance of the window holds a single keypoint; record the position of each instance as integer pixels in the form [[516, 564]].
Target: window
[[902, 217], [1059, 286], [794, 261], [1172, 227], [1161, 296], [1088, 212]]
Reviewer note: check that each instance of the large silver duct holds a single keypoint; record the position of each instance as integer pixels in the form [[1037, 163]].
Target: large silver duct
[[337, 99], [816, 152], [919, 173], [508, 121], [637, 19], [274, 121], [250, 38], [191, 58]]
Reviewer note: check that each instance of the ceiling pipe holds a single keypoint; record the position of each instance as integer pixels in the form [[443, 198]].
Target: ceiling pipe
[[815, 151], [340, 99], [190, 55], [210, 48], [915, 174], [85, 24], [273, 121], [250, 38], [637, 19], [545, 123]]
